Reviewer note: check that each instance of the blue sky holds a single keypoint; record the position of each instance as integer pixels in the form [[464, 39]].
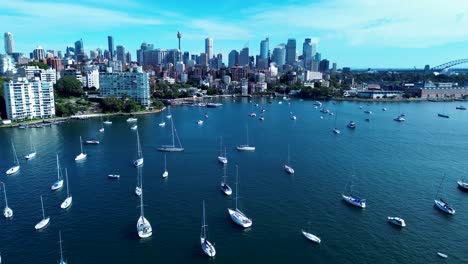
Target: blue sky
[[357, 33]]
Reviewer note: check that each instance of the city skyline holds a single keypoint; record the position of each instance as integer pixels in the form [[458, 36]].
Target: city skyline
[[367, 34]]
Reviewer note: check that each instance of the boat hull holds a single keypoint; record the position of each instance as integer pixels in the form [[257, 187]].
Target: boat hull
[[311, 237], [138, 162], [245, 148], [137, 191], [239, 218], [12, 170], [358, 203], [144, 228], [226, 189], [57, 185], [30, 155], [207, 247], [67, 203], [170, 149], [165, 174], [42, 224], [8, 212], [288, 169], [462, 186], [81, 157], [444, 207], [222, 160], [113, 176], [396, 221]]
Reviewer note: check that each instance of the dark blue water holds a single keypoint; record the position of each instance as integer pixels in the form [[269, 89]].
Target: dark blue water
[[397, 167]]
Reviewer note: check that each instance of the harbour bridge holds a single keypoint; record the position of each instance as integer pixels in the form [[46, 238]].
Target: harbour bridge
[[446, 66]]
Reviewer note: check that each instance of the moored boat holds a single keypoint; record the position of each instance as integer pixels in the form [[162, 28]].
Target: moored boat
[[396, 221]]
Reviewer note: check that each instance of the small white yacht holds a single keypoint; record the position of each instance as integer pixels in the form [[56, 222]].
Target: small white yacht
[[59, 182], [139, 161], [462, 185], [7, 212], [287, 166], [206, 245], [384, 109], [336, 131], [444, 206], [138, 191], [162, 124], [134, 127], [165, 173], [68, 201], [246, 147], [293, 117], [225, 188], [236, 214], [144, 228], [113, 176], [354, 200], [31, 154], [45, 221], [222, 158], [396, 221], [200, 122], [107, 122], [82, 155], [132, 119], [15, 168], [101, 129], [311, 237]]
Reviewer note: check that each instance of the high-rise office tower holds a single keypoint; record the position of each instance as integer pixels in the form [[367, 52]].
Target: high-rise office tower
[[186, 58], [110, 43], [209, 48], [9, 44], [203, 59], [38, 53], [244, 57], [233, 58], [279, 55], [120, 53], [291, 51], [79, 47], [307, 55], [264, 47], [128, 57]]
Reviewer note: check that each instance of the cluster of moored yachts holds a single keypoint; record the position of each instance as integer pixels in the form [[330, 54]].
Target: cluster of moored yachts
[[144, 228]]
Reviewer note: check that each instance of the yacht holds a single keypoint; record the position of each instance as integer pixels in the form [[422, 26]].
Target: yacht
[[165, 173], [82, 155], [336, 131], [293, 117], [246, 147], [262, 118], [172, 148], [162, 124], [443, 115], [200, 122], [442, 255], [139, 161], [143, 225], [311, 237], [252, 114], [59, 182], [101, 129], [68, 201], [396, 221], [324, 110], [134, 127], [92, 142], [461, 107], [287, 166], [236, 214], [441, 204], [61, 251], [225, 188], [317, 103], [113, 176], [354, 200], [7, 212], [222, 158], [107, 122], [384, 109], [399, 118], [462, 185], [206, 245], [351, 125], [45, 221], [132, 119], [31, 154], [16, 166], [368, 112]]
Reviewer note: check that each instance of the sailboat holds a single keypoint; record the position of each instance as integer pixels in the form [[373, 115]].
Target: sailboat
[[172, 148], [68, 201], [400, 117], [225, 188], [138, 189], [102, 126], [165, 173], [462, 185], [441, 204], [287, 166], [443, 114], [108, 122], [82, 155], [169, 116], [246, 147], [354, 200], [45, 221], [15, 167], [336, 130], [31, 154], [162, 123], [139, 161], [236, 214], [7, 212], [222, 158], [61, 251], [206, 245], [59, 183], [143, 225], [311, 236]]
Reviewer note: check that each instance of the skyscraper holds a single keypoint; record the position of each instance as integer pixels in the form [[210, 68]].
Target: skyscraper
[[79, 50], [279, 55], [128, 57], [307, 55], [209, 48], [291, 51], [38, 53], [264, 47], [110, 43], [120, 53], [233, 58], [9, 44], [244, 57], [203, 59]]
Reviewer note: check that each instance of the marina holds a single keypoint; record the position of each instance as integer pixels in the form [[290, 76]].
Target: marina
[[396, 172]]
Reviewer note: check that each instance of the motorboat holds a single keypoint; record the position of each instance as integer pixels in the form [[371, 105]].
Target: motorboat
[[442, 255], [245, 148], [311, 237], [351, 125], [134, 127], [92, 142], [293, 117], [132, 119], [444, 206], [396, 221], [399, 118], [252, 114], [113, 176], [354, 200], [200, 122], [336, 131], [162, 124], [443, 115], [368, 112]]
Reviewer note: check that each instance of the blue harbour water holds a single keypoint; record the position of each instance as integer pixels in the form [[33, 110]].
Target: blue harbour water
[[397, 167]]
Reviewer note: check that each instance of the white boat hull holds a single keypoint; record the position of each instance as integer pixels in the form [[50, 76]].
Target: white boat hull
[[144, 228], [101, 130], [131, 119], [113, 176], [358, 203], [311, 237], [165, 174], [108, 122], [13, 170], [81, 157], [30, 155], [396, 221], [43, 223], [67, 203], [8, 212], [226, 189], [163, 124], [138, 191], [207, 247], [444, 207], [223, 160], [57, 185], [170, 149], [239, 218], [245, 148], [134, 127], [288, 169], [138, 162]]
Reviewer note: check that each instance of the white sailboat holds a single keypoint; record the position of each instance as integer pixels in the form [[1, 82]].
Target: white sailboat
[[169, 116], [236, 214], [31, 154], [162, 123], [68, 201], [102, 126], [225, 188], [206, 245], [15, 168], [165, 173], [246, 147], [139, 161], [336, 130], [287, 167], [441, 204], [354, 200], [107, 122], [131, 119], [45, 221], [143, 225], [222, 158], [311, 236], [7, 212], [59, 182], [62, 261], [172, 148], [82, 155]]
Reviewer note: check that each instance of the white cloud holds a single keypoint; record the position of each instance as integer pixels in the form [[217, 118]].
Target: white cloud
[[218, 30], [396, 23]]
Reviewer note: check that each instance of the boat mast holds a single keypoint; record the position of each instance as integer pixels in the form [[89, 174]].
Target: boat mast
[[60, 242], [14, 153], [165, 162], [173, 132], [224, 177], [139, 152], [66, 176], [43, 213], [237, 180], [58, 168], [204, 222], [438, 190], [4, 191], [142, 213], [81, 145]]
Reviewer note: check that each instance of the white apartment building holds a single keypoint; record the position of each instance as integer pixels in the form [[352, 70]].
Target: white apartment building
[[134, 84], [28, 99], [7, 65], [91, 77], [49, 75], [29, 72]]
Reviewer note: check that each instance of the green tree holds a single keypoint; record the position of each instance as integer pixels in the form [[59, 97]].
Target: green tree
[[41, 65], [69, 86], [111, 105]]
